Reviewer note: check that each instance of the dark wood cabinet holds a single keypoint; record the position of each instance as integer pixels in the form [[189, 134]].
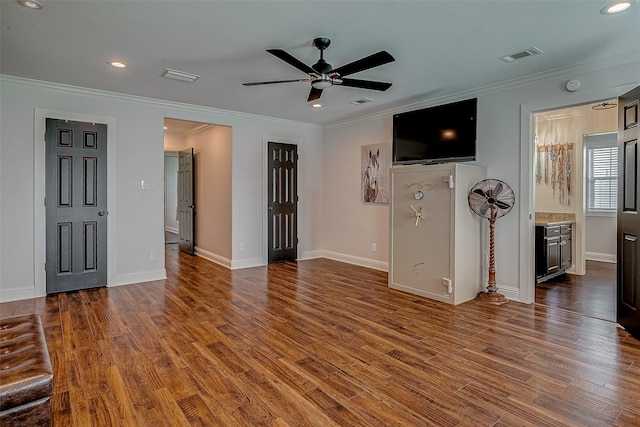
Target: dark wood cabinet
[[553, 250], [566, 259]]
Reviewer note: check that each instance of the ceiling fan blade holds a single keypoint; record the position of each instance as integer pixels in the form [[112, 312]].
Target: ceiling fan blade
[[314, 94], [365, 84], [286, 57], [274, 82], [380, 58]]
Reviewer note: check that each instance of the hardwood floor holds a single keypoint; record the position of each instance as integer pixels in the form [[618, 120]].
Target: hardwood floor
[[322, 343], [593, 294]]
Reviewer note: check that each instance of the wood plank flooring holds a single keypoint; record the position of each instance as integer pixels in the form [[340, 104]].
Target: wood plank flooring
[[593, 294], [322, 343]]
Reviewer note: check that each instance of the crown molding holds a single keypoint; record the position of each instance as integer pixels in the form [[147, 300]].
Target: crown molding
[[102, 94], [535, 78]]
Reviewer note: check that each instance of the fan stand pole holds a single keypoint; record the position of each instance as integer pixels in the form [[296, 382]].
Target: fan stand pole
[[491, 294]]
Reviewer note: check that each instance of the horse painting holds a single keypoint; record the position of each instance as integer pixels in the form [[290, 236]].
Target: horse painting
[[371, 178]]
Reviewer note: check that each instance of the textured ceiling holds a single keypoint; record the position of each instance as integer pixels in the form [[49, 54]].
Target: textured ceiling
[[440, 47]]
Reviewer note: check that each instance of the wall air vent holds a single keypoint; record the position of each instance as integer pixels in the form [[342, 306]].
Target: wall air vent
[[519, 55], [362, 101], [179, 75]]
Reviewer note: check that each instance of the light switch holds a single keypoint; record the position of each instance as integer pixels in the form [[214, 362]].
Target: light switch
[[147, 185]]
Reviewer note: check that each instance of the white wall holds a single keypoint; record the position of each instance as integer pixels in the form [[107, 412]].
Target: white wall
[[137, 215], [351, 226]]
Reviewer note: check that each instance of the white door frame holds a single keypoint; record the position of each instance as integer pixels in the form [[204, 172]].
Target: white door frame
[[527, 193], [39, 180]]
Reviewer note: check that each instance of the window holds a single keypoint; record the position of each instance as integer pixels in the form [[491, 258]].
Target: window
[[601, 173]]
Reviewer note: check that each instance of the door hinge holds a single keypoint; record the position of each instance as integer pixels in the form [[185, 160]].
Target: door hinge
[[45, 201], [449, 180], [45, 266]]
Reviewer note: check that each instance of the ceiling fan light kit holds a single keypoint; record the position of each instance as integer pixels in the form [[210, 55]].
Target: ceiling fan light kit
[[323, 76]]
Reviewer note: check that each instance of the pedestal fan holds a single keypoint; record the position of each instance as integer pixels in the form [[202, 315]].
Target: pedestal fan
[[491, 199]]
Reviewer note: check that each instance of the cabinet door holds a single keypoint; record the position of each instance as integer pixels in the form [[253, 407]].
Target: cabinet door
[[565, 252], [421, 244], [553, 255]]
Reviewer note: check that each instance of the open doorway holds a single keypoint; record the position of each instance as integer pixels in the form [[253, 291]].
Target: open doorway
[[575, 208], [211, 146]]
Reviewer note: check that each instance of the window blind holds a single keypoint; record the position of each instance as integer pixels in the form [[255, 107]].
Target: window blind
[[602, 178]]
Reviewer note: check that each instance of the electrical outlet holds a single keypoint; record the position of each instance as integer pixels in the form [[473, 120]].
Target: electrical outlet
[[373, 247], [153, 256], [241, 245]]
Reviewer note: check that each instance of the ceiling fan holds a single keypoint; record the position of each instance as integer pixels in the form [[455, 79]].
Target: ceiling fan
[[322, 75]]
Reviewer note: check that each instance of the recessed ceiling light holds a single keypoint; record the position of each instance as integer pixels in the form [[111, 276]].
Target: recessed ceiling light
[[117, 64], [317, 105], [31, 4], [616, 7]]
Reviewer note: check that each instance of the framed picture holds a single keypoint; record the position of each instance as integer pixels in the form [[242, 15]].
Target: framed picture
[[374, 167]]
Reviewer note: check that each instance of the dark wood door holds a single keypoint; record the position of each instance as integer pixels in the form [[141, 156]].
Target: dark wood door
[[282, 202], [186, 202], [76, 205], [628, 219]]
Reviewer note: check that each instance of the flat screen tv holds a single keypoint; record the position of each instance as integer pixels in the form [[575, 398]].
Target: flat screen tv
[[441, 134]]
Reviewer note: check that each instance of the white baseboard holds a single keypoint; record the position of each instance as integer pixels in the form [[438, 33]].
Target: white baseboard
[[139, 277], [351, 259], [311, 255], [247, 263], [511, 293], [225, 262], [597, 256], [15, 294]]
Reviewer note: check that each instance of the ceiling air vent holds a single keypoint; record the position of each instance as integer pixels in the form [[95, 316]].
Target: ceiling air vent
[[362, 101], [179, 75], [519, 55]]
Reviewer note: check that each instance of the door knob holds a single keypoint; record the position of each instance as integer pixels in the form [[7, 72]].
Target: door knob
[[270, 208], [101, 213]]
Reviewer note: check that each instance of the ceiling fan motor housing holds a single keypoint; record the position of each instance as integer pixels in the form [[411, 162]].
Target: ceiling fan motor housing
[[322, 82], [322, 67], [321, 42]]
